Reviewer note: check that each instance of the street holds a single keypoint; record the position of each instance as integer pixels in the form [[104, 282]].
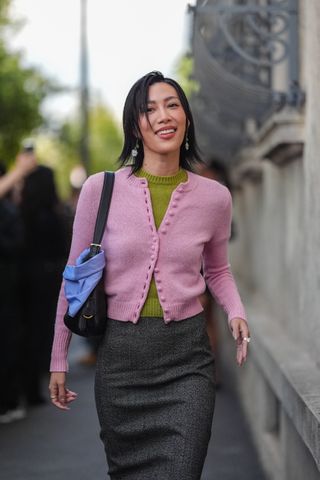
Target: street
[[54, 445]]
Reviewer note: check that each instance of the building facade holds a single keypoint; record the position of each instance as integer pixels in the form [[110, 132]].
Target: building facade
[[272, 149]]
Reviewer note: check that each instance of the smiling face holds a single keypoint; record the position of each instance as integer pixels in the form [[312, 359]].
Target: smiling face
[[163, 126]]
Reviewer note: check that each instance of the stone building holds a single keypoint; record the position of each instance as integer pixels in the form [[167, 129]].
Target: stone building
[[257, 63]]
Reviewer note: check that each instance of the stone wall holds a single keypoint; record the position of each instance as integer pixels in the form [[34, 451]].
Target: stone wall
[[276, 259], [311, 254]]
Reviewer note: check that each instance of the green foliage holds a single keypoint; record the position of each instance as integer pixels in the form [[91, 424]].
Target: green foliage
[[62, 151], [22, 90], [4, 16], [51, 152], [21, 93], [184, 72], [105, 139]]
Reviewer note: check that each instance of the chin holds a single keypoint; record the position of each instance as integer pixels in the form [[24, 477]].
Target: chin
[[166, 149]]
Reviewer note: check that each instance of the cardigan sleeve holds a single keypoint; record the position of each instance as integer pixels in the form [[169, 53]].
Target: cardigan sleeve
[[83, 228], [216, 267]]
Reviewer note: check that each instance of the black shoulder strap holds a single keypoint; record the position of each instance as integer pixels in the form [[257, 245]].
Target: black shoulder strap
[[104, 205]]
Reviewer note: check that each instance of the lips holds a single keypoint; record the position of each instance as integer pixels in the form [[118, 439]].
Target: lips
[[166, 133]]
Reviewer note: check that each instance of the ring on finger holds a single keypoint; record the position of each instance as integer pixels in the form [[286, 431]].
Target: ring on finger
[[247, 339]]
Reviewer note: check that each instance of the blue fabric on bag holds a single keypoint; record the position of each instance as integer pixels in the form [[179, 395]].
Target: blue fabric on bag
[[81, 278]]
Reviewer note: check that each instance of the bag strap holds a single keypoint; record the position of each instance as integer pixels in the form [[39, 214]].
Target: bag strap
[[103, 210]]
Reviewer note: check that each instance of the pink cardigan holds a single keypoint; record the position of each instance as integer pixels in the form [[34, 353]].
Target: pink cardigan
[[194, 232]]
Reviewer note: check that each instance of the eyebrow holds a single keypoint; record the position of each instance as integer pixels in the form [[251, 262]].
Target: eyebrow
[[165, 99]]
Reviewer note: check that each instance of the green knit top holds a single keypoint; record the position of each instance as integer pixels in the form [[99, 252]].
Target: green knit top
[[161, 189]]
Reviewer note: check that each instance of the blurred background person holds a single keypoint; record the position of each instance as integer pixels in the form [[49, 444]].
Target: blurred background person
[[11, 241], [12, 180], [11, 244], [46, 242]]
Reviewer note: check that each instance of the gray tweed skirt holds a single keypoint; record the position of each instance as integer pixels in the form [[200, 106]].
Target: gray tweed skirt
[[155, 396]]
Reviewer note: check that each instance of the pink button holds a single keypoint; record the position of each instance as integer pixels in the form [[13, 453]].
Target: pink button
[[154, 240], [159, 280], [163, 231], [162, 299], [153, 247], [160, 289], [156, 270], [174, 205], [171, 213], [166, 310], [167, 222], [152, 257]]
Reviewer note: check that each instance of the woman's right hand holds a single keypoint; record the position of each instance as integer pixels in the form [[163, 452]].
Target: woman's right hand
[[60, 395]]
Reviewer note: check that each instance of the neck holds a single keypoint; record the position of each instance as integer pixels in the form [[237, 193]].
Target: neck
[[161, 165]]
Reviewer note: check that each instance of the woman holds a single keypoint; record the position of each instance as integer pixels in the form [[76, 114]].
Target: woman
[[154, 383]]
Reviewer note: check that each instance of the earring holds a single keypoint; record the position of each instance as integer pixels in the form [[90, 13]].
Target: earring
[[187, 146], [134, 151]]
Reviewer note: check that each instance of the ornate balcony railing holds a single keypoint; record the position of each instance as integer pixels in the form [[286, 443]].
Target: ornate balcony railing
[[238, 47]]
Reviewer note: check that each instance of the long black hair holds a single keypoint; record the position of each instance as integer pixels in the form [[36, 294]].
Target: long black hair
[[136, 104]]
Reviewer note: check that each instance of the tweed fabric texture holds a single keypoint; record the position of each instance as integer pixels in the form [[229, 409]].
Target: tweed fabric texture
[[155, 396]]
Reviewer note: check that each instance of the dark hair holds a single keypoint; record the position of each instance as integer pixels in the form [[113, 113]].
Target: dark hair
[[46, 227], [219, 168], [39, 191], [136, 103]]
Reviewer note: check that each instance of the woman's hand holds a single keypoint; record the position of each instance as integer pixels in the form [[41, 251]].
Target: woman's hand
[[59, 394], [241, 334]]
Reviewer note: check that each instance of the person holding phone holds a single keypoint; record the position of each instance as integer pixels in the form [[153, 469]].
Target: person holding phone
[[25, 163]]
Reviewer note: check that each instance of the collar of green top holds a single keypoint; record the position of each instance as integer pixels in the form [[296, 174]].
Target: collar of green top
[[180, 176]]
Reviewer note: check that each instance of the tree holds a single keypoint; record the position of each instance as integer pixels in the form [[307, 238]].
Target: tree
[[61, 151], [4, 6], [105, 138], [184, 72], [22, 90]]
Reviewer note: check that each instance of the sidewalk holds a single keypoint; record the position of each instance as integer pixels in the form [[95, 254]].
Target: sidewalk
[[54, 445]]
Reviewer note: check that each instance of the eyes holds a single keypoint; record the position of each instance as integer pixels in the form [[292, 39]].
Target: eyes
[[171, 105]]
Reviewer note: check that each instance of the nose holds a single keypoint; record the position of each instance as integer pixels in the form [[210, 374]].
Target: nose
[[163, 115]]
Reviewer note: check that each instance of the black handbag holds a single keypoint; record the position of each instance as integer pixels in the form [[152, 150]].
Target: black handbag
[[90, 320]]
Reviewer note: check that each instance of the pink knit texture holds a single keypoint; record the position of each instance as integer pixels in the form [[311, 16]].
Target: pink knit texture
[[194, 232]]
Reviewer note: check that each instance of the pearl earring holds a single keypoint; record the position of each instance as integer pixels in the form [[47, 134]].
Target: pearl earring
[[134, 151], [187, 146]]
